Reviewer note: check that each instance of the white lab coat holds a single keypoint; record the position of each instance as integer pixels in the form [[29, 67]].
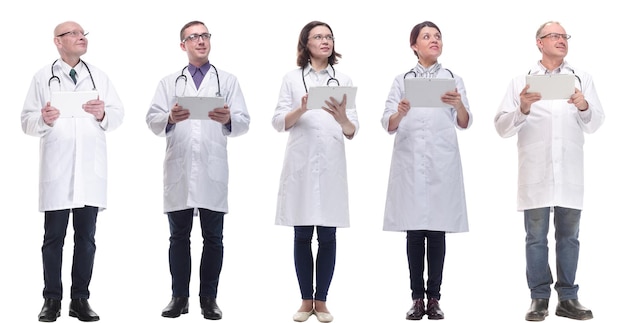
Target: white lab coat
[[195, 170], [425, 189], [73, 153], [550, 142], [313, 184]]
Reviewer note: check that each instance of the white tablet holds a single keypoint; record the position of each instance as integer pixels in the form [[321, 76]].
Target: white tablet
[[319, 94], [552, 86], [427, 92], [70, 104], [199, 106]]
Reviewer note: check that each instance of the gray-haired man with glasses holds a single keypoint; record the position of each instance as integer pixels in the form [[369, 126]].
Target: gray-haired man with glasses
[[550, 137]]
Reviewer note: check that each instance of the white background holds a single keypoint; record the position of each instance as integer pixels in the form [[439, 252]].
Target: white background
[[136, 44]]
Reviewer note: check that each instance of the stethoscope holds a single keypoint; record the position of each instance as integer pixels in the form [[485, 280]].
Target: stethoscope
[[577, 77], [330, 80], [412, 71], [184, 77], [54, 77]]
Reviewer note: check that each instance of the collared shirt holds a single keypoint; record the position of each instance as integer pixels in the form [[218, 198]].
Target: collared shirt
[[198, 73]]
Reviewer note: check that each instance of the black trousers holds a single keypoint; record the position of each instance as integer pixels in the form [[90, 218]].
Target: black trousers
[[55, 228], [431, 245], [212, 225]]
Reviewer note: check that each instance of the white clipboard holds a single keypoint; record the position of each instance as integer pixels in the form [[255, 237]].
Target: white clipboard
[[199, 106], [426, 92], [552, 86], [319, 94], [70, 104]]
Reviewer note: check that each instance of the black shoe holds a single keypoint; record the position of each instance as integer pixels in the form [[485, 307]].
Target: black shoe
[[538, 309], [572, 309], [79, 308], [417, 310], [209, 307], [50, 310], [433, 311], [176, 307]]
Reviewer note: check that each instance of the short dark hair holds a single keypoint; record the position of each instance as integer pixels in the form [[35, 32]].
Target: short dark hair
[[416, 31], [303, 51], [187, 25]]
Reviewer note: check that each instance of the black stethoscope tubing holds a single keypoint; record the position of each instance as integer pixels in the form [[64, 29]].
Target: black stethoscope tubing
[[331, 79], [184, 77], [54, 77], [412, 71]]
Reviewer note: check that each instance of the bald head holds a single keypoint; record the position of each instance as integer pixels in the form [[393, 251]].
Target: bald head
[[70, 40], [67, 26]]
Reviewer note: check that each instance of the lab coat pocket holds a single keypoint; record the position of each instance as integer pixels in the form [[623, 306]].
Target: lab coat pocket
[[218, 169], [173, 171], [532, 163], [573, 159]]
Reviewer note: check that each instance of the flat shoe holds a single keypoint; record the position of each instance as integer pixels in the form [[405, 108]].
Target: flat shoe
[[323, 317], [302, 316]]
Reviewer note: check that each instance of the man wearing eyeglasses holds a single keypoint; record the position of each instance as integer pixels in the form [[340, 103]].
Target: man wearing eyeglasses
[[73, 171], [550, 138], [196, 165]]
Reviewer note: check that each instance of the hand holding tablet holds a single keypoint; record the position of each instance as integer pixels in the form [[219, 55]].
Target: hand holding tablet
[[200, 106]]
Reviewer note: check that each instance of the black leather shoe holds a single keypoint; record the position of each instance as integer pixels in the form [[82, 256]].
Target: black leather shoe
[[176, 307], [433, 311], [50, 310], [572, 309], [80, 309], [417, 310], [210, 310], [538, 309]]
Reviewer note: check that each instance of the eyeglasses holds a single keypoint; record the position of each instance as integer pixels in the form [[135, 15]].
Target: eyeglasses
[[319, 37], [555, 36], [73, 33], [197, 37]]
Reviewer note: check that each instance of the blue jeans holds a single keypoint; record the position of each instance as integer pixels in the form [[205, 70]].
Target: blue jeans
[[324, 264], [435, 252], [55, 227], [212, 224], [538, 273]]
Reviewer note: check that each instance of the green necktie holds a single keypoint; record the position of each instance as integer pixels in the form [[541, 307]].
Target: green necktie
[[73, 75]]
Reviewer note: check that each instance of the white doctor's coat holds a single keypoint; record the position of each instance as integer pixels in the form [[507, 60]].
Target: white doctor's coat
[[550, 142], [73, 153], [425, 189], [195, 170], [313, 184]]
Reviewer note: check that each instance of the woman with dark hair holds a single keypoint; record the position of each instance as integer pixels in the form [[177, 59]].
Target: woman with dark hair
[[425, 194], [313, 191]]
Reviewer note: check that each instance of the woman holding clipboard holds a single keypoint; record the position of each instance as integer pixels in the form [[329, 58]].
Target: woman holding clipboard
[[313, 190], [425, 194]]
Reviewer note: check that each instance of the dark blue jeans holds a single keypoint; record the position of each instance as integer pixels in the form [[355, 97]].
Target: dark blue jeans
[[324, 264], [55, 228], [212, 225], [431, 244]]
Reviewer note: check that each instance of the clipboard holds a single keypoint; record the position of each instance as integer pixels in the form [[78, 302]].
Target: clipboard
[[70, 104], [200, 106], [426, 92], [319, 94], [552, 86]]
